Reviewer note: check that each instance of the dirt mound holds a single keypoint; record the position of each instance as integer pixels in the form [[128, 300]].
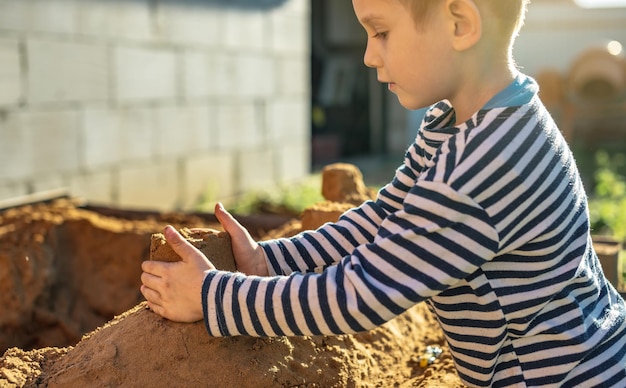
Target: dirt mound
[[66, 270], [343, 183], [139, 348]]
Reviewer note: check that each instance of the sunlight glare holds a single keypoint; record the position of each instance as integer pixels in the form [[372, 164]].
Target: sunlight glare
[[601, 3], [614, 47]]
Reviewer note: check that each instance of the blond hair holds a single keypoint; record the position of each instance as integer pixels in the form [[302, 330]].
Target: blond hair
[[510, 13]]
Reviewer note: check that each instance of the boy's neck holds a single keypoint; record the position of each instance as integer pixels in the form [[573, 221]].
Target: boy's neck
[[485, 63], [478, 87]]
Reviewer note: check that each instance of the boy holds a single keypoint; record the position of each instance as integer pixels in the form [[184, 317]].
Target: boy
[[486, 220]]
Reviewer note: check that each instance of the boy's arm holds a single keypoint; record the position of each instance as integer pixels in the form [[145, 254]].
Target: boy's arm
[[417, 254], [312, 251]]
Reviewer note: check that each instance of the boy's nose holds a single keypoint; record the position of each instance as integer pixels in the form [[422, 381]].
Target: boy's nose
[[370, 58]]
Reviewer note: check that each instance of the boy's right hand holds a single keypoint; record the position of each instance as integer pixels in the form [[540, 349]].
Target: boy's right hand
[[249, 256]]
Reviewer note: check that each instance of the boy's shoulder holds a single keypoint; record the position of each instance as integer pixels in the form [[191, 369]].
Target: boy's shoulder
[[516, 123]]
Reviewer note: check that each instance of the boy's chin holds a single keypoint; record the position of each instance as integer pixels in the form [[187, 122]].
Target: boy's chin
[[412, 104]]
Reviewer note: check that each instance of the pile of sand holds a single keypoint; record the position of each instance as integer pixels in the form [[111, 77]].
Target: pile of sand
[[139, 348], [66, 270]]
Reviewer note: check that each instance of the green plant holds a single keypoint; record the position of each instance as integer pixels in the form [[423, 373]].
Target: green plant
[[608, 203], [284, 199], [621, 260]]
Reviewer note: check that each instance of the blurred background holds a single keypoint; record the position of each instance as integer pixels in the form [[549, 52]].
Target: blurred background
[[165, 104]]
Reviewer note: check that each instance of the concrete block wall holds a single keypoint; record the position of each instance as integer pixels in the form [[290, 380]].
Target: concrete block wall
[[153, 103]]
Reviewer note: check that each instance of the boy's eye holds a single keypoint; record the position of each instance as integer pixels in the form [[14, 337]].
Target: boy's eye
[[380, 35]]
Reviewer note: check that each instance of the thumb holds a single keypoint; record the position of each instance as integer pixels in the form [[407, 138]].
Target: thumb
[[230, 224], [179, 244]]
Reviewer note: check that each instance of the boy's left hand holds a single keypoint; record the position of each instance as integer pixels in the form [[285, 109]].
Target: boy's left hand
[[173, 289]]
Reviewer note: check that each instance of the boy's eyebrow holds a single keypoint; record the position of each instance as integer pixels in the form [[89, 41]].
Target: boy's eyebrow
[[369, 19]]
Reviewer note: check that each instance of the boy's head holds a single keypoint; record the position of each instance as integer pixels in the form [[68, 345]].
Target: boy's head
[[433, 50], [509, 14]]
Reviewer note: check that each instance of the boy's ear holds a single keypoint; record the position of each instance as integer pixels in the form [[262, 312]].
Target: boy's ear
[[466, 23]]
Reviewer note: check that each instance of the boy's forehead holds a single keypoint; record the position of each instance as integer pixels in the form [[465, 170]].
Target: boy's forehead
[[370, 19], [370, 11]]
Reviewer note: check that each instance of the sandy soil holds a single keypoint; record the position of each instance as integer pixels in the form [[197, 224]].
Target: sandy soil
[[67, 270]]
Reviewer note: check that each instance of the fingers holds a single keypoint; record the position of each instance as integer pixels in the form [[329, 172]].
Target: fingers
[[158, 309], [154, 306], [151, 295], [172, 290], [150, 280], [156, 268], [150, 290], [153, 299], [150, 286], [225, 218], [179, 244], [230, 224]]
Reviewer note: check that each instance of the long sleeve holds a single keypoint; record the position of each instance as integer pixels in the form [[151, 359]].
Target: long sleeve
[[376, 282], [488, 222], [419, 238], [313, 251]]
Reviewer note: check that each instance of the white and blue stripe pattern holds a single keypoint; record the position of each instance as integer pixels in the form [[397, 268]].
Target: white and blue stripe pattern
[[488, 222]]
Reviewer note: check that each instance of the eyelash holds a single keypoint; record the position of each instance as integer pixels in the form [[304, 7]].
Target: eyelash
[[380, 35]]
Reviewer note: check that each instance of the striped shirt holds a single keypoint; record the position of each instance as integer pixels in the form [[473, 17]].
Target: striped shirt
[[487, 221]]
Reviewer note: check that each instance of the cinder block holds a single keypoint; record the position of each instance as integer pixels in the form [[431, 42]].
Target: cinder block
[[293, 77], [256, 170], [54, 141], [116, 19], [38, 143], [209, 177], [66, 71], [15, 150], [119, 63], [149, 186], [198, 75], [189, 22], [13, 15], [294, 161], [243, 29], [10, 72], [8, 191], [58, 16], [290, 31], [245, 75], [145, 74], [239, 125], [100, 134], [96, 187], [298, 7], [47, 182], [182, 130], [287, 120], [115, 136]]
